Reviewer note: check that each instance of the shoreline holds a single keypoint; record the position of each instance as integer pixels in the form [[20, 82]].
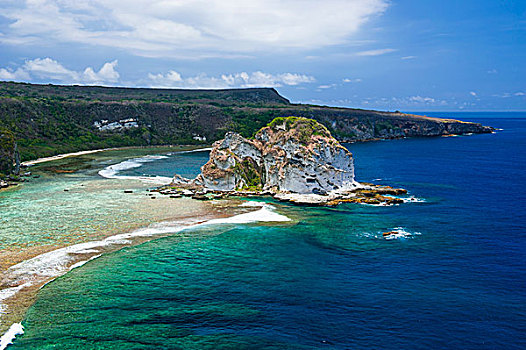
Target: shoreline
[[81, 153]]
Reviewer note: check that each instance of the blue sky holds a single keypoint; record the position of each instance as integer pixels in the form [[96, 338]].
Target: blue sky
[[378, 54]]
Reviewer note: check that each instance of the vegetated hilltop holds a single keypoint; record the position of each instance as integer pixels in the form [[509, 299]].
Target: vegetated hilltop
[[53, 119]]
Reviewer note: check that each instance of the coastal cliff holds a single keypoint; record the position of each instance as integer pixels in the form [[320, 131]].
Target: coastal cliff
[[293, 159], [49, 119]]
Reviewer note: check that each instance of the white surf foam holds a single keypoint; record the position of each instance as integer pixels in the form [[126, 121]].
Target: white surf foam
[[8, 293], [401, 233], [112, 171], [252, 204], [413, 199], [9, 336], [81, 263], [265, 214], [192, 151]]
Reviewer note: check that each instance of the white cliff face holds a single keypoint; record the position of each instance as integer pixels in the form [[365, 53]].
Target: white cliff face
[[299, 158], [220, 171], [319, 169]]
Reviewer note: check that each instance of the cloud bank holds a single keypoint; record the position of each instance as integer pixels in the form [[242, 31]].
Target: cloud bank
[[187, 28], [173, 79], [375, 52], [49, 69]]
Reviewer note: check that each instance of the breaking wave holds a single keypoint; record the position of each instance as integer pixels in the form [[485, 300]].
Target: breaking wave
[[401, 233], [112, 171]]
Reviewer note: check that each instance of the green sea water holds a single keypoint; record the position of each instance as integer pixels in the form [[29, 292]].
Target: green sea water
[[67, 202]]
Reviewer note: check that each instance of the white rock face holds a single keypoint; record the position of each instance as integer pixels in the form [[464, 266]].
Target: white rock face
[[318, 164], [105, 125], [221, 174]]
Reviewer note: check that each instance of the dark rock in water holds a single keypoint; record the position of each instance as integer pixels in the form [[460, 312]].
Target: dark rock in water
[[176, 196], [395, 201], [389, 233], [128, 191], [3, 184], [66, 190], [152, 197], [36, 176]]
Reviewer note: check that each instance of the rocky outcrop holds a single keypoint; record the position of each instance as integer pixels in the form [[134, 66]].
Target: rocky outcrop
[[291, 154], [293, 159]]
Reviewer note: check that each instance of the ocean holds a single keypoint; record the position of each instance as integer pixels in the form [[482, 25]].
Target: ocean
[[454, 276]]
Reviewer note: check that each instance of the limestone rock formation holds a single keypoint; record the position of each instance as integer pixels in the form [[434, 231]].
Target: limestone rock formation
[[290, 155]]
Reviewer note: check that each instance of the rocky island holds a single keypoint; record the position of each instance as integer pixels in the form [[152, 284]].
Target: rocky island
[[292, 159]]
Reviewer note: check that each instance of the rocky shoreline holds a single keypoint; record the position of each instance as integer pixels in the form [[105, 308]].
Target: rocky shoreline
[[364, 193]]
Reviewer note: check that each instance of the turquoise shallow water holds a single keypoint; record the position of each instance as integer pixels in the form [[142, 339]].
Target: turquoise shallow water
[[454, 278], [67, 207]]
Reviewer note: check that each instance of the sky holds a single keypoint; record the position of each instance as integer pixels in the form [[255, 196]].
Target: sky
[[423, 55]]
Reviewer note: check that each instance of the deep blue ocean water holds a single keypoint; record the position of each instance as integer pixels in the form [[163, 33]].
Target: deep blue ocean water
[[328, 279]]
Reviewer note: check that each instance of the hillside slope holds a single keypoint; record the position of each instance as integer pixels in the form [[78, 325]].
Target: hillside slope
[[52, 119]]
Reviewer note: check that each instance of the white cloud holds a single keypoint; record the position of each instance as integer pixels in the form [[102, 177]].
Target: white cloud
[[510, 94], [49, 69], [492, 71], [16, 75], [173, 79], [348, 80], [184, 28], [106, 74], [473, 93], [408, 57], [377, 52], [420, 99], [326, 86]]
